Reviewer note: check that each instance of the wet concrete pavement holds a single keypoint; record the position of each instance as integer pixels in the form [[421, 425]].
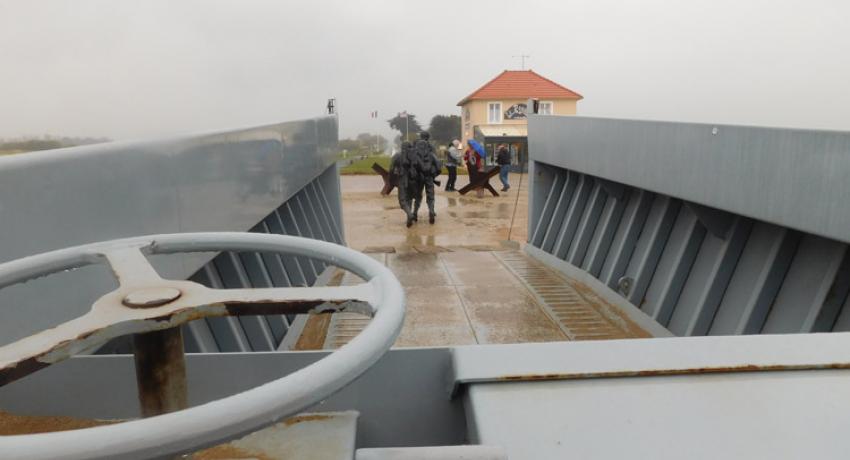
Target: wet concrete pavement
[[373, 221], [463, 282]]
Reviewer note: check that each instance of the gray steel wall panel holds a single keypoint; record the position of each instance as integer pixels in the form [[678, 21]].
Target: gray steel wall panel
[[679, 220], [273, 264], [837, 296], [232, 275], [648, 248], [587, 225], [246, 270], [544, 176], [198, 338], [806, 285], [756, 280], [292, 265], [573, 216], [211, 182], [308, 225], [674, 266], [290, 218], [709, 277], [103, 387], [228, 332], [842, 323], [332, 194], [791, 177], [555, 221], [325, 213], [258, 276], [600, 244], [626, 237], [547, 206], [310, 209]]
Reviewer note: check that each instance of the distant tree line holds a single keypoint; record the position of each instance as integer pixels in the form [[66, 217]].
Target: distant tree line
[[46, 143], [443, 128], [364, 143]]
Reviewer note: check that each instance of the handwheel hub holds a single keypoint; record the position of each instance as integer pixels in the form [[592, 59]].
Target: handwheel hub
[[151, 297]]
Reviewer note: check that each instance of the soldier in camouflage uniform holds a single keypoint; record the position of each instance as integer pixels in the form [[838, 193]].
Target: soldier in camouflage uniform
[[429, 167], [408, 180]]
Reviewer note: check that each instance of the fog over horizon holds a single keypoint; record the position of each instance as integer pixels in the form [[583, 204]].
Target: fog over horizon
[[132, 69]]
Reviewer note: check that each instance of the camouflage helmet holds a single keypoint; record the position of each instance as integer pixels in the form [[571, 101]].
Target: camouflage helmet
[[424, 135]]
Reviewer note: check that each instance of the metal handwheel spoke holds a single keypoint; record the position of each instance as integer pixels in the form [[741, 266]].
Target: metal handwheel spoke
[[295, 300], [38, 351], [151, 309], [131, 267]]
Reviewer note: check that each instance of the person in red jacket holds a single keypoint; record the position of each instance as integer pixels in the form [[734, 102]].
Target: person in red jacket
[[474, 165]]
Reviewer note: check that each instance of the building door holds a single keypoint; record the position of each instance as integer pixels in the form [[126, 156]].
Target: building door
[[519, 155]]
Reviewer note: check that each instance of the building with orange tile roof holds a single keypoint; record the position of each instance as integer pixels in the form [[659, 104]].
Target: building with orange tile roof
[[495, 113]]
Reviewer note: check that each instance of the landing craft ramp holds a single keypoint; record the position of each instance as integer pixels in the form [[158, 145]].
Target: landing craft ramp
[[632, 218]]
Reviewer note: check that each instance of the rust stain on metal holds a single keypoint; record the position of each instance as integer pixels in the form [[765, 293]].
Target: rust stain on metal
[[671, 372], [228, 452], [27, 366], [315, 332], [306, 418], [14, 424], [160, 371], [271, 307], [20, 370]]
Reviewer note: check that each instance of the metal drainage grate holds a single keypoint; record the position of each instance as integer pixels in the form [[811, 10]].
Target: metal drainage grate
[[574, 314]]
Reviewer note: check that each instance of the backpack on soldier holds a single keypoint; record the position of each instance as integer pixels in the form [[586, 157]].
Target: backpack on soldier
[[412, 164], [436, 165], [428, 164]]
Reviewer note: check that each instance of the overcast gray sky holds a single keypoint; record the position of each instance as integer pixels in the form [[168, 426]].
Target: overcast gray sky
[[134, 69]]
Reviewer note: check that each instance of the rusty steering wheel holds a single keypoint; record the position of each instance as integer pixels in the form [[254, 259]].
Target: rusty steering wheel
[[151, 307]]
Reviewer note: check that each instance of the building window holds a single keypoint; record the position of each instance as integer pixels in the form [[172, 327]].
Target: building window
[[494, 112], [545, 108]]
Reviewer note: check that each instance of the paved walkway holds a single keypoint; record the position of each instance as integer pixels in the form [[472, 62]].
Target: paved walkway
[[464, 283], [373, 222]]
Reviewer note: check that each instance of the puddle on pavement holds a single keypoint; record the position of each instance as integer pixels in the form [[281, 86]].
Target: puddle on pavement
[[373, 220]]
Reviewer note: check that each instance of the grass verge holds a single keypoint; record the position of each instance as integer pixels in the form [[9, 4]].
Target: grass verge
[[361, 167]]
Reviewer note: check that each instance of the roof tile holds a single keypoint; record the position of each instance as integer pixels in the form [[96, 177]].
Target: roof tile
[[521, 84]]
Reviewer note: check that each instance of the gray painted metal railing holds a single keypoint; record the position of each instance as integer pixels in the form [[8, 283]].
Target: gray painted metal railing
[[707, 229], [279, 178]]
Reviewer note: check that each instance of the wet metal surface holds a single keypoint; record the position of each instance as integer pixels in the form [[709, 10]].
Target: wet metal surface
[[747, 392], [775, 415], [457, 297]]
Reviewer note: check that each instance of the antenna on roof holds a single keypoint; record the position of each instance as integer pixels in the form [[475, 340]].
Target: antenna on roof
[[523, 57]]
